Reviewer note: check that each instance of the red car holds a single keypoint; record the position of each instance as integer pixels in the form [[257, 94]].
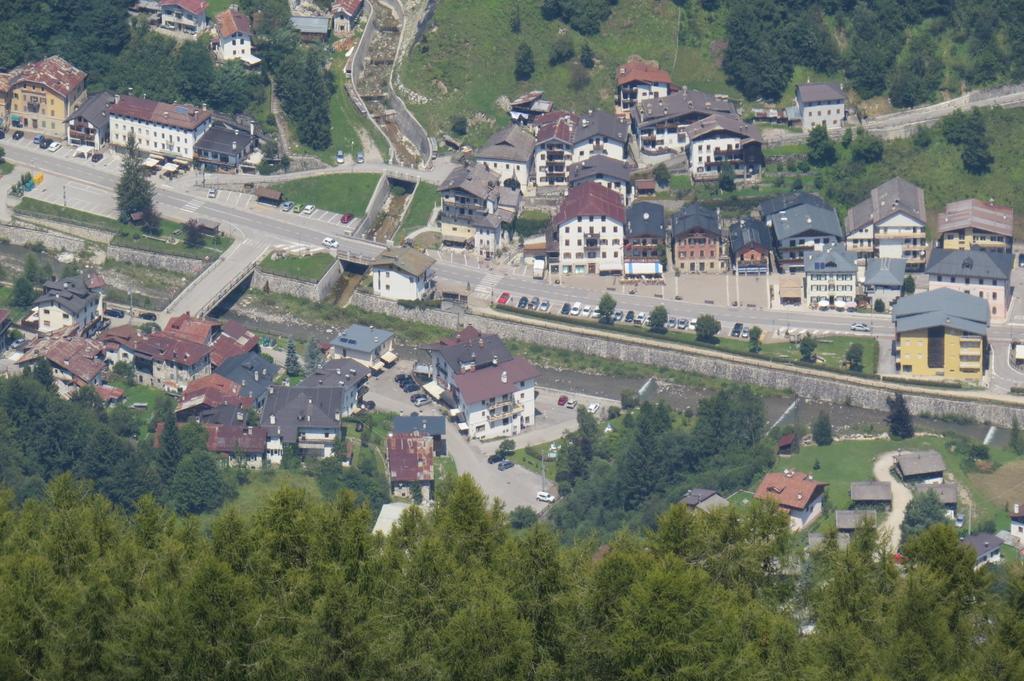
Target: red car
[[504, 298], [562, 400], [346, 218]]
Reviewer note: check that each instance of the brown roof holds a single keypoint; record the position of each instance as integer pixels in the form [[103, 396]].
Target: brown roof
[[982, 215], [591, 198], [717, 122], [78, 356], [808, 93], [268, 193], [193, 6], [349, 7], [215, 385], [791, 489], [408, 260], [187, 327], [231, 21], [228, 439], [411, 457], [184, 116], [225, 348], [495, 380], [54, 73], [639, 71], [162, 347]]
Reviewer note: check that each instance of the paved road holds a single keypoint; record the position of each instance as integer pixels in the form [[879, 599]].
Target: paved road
[[434, 175], [226, 270], [900, 498]]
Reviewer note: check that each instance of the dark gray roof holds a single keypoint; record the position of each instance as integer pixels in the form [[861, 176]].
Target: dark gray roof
[[835, 259], [891, 197], [645, 219], [920, 463], [806, 219], [361, 338], [337, 373], [783, 202], [681, 103], [601, 124], [219, 138], [871, 490], [851, 520], [470, 347], [948, 492], [599, 166], [511, 144], [94, 109], [306, 407], [941, 307], [69, 293], [749, 232], [697, 496], [986, 264], [982, 543], [885, 272], [255, 373], [429, 425], [808, 93], [695, 217]]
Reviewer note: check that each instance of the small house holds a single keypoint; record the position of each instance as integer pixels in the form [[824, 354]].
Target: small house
[[871, 493], [366, 345], [786, 445], [987, 548], [312, 29], [948, 493], [411, 464], [796, 493], [269, 196], [434, 426], [705, 500], [920, 467], [848, 521]]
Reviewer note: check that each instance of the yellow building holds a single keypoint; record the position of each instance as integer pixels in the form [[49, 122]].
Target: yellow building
[[976, 225], [942, 334], [42, 95]]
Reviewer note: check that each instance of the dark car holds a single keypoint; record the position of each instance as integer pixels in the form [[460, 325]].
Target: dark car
[[737, 329], [505, 465], [148, 316], [630, 316], [566, 308], [114, 313], [369, 405], [2, 134], [18, 134], [96, 158], [495, 458], [44, 143], [534, 303], [400, 378], [523, 302]]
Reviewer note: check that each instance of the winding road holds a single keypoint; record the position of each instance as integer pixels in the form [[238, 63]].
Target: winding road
[[901, 496]]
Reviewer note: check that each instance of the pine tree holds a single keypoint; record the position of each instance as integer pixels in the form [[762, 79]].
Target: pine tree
[[807, 347], [515, 23], [821, 430], [291, 360], [855, 357], [901, 424], [755, 339], [820, 149], [524, 62], [314, 357], [22, 294], [171, 450], [727, 178], [587, 56], [135, 192], [1016, 442]]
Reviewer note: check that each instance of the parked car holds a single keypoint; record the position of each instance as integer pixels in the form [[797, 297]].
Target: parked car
[[640, 317], [419, 399], [617, 316], [114, 313], [682, 324], [148, 316], [860, 326], [330, 243], [54, 147], [576, 308], [38, 139], [546, 497], [296, 209], [544, 306], [212, 194], [571, 404], [534, 303], [671, 323], [504, 298], [369, 405], [505, 465], [566, 308], [523, 302], [737, 329], [44, 143], [287, 206], [308, 210], [339, 157], [409, 387], [562, 400], [586, 311], [18, 134], [96, 158], [495, 458], [630, 317], [346, 218], [360, 158], [594, 407], [693, 323], [399, 378]]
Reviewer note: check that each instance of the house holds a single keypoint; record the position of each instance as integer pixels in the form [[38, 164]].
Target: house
[[1017, 522], [705, 500], [159, 359], [588, 228], [659, 123], [638, 80], [69, 302], [830, 278], [369, 346], [89, 124], [941, 334], [567, 138], [239, 445], [161, 128], [971, 225], [508, 154], [403, 274], [697, 239], [985, 274], [210, 398], [787, 445], [796, 493], [645, 187], [272, 197], [339, 373], [434, 426], [525, 109], [848, 521], [312, 29], [800, 228], [987, 548], [883, 278], [345, 14], [193, 329], [948, 493], [223, 147], [234, 340], [411, 464], [750, 247], [920, 467], [252, 372], [233, 39], [819, 104], [722, 139], [74, 361], [477, 210], [605, 171], [186, 16], [40, 96], [890, 223], [643, 243], [871, 493], [389, 516]]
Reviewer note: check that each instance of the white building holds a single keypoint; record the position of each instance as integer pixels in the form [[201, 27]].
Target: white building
[[891, 223], [830, 278], [346, 14], [161, 128], [373, 348], [403, 274], [477, 210], [637, 81], [187, 16], [820, 104], [234, 37], [509, 154], [589, 229], [659, 123], [722, 139], [566, 138], [71, 301]]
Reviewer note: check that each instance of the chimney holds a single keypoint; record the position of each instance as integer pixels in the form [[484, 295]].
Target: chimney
[[234, 146], [117, 97], [504, 377]]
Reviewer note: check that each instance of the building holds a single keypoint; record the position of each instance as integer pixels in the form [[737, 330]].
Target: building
[[750, 247], [389, 516], [985, 274], [987, 548], [637, 81], [186, 16], [477, 210], [434, 426], [525, 109], [973, 225], [947, 492], [233, 39], [403, 274], [346, 15], [883, 278], [830, 278], [705, 500], [1017, 523], [697, 239], [75, 362], [369, 346], [40, 96], [920, 467], [615, 175], [312, 29], [252, 372], [71, 302], [801, 228], [848, 521], [165, 362], [890, 223], [722, 139], [819, 104], [871, 494], [659, 123], [161, 128], [643, 243], [89, 124], [411, 465], [213, 399], [588, 229], [508, 154], [223, 147], [796, 493], [942, 334], [566, 138], [239, 445]]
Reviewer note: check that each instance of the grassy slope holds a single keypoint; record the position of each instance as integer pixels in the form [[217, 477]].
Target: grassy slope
[[261, 487], [423, 202], [347, 193], [308, 268]]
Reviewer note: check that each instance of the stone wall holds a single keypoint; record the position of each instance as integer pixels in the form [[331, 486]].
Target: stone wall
[[22, 233], [317, 291], [88, 233], [174, 263], [807, 383]]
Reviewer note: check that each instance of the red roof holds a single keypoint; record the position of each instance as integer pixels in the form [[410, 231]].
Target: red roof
[[557, 125], [228, 439], [214, 384], [791, 489], [187, 327], [231, 21], [348, 7], [411, 457], [193, 6], [77, 356], [109, 393], [787, 440], [637, 71], [483, 384], [183, 116], [162, 347], [224, 349], [591, 198], [54, 73]]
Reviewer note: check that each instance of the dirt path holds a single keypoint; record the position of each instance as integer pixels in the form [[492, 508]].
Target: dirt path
[[901, 496]]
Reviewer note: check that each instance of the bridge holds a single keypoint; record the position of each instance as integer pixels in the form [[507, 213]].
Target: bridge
[[233, 268]]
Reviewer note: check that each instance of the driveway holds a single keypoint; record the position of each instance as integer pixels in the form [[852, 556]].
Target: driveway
[[901, 496]]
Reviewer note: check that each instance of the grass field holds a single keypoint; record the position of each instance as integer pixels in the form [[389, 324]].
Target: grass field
[[5, 168], [346, 193], [262, 485], [218, 6], [307, 268], [423, 202]]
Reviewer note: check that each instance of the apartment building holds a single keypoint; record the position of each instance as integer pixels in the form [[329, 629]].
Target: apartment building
[[830, 278], [984, 274], [750, 247], [589, 230], [891, 223], [942, 334], [611, 173], [638, 80], [89, 124], [477, 210], [509, 154], [659, 124], [820, 104], [800, 222], [719, 140], [70, 302], [40, 96], [976, 225], [644, 240], [697, 239], [161, 128], [567, 138]]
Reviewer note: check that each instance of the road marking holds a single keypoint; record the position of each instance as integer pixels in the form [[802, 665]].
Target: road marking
[[487, 284], [192, 206]]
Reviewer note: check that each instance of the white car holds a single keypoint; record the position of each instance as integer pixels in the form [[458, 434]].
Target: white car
[[339, 157], [571, 404], [308, 210], [594, 407], [212, 194], [545, 306], [640, 317], [586, 311], [859, 326], [575, 310], [54, 147], [329, 242], [546, 497]]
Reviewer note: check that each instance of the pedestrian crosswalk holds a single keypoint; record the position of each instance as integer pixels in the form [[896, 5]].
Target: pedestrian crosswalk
[[486, 285], [192, 206]]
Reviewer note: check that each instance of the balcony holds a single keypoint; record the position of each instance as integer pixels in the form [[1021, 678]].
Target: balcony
[[494, 413]]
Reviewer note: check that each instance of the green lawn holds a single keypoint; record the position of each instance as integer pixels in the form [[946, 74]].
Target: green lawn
[[308, 268], [345, 193], [5, 168], [423, 202], [218, 6], [444, 468], [262, 485]]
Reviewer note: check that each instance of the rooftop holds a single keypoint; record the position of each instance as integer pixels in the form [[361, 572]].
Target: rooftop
[[777, 204], [941, 307], [747, 233], [362, 338], [312, 25], [55, 73], [972, 213], [95, 109], [809, 93], [851, 520], [870, 491], [806, 219], [640, 71], [408, 260], [289, 408], [470, 348], [193, 6], [887, 199], [183, 116], [885, 272], [510, 144], [252, 372], [410, 457], [681, 103], [494, 381], [194, 329], [791, 489], [645, 219], [948, 492], [590, 198], [834, 259], [231, 21], [920, 463], [419, 423], [696, 217], [697, 496], [223, 139], [349, 7], [340, 373], [979, 263], [597, 166], [70, 293], [723, 122], [229, 439], [983, 543], [473, 179]]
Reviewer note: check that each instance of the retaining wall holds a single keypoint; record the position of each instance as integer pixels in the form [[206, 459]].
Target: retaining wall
[[31, 220], [805, 383], [22, 234], [174, 263], [317, 291]]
